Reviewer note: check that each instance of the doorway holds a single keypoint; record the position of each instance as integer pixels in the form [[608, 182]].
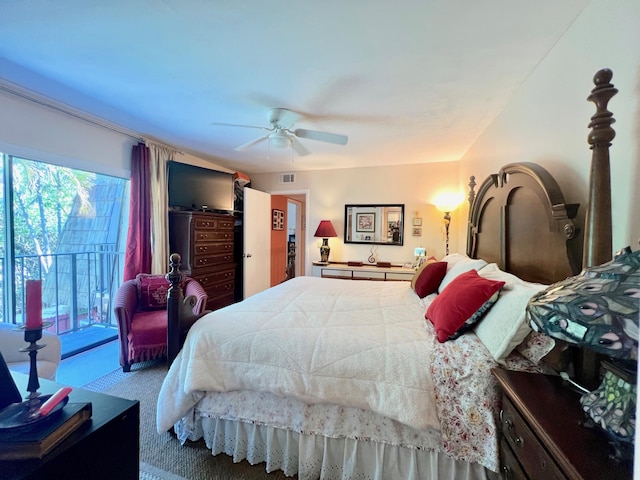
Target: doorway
[[296, 224], [295, 236]]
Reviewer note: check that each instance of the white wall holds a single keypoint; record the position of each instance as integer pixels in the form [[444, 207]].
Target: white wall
[[546, 121], [38, 132], [413, 185]]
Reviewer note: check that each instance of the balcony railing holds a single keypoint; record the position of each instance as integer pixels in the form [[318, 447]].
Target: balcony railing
[[77, 290]]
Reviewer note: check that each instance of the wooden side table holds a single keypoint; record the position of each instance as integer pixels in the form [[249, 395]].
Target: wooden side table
[[543, 435], [105, 447], [362, 272]]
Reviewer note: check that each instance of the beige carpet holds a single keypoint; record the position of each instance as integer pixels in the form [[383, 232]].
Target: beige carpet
[[163, 451]]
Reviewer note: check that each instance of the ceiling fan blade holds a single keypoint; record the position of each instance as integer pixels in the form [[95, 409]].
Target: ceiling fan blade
[[321, 136], [252, 142], [298, 147], [236, 125]]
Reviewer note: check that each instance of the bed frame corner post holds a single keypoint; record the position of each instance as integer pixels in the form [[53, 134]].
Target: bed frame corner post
[[175, 299], [597, 235], [597, 248]]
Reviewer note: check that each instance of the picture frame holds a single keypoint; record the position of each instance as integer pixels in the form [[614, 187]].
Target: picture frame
[[417, 231], [420, 261], [278, 219], [365, 222], [417, 222]]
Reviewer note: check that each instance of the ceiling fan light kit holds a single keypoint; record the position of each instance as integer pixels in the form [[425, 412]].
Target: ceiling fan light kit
[[281, 121], [280, 139]]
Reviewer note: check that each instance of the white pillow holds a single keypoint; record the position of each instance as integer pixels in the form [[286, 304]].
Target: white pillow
[[504, 326], [458, 263]]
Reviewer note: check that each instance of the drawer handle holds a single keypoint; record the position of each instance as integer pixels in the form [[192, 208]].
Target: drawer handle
[[517, 440], [506, 472]]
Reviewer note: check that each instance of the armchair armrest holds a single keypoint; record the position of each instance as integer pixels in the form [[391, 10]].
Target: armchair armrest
[[192, 288]]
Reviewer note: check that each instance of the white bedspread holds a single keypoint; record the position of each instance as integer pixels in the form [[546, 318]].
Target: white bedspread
[[353, 343]]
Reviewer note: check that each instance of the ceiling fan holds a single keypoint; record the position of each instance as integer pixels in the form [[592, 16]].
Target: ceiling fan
[[281, 135]]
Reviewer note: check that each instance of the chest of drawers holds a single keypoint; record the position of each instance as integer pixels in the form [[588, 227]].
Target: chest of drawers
[[205, 242], [542, 435]]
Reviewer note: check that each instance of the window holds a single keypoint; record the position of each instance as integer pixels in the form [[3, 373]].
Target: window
[[65, 227]]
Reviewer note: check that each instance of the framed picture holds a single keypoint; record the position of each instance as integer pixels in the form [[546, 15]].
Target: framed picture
[[417, 222], [365, 222], [417, 231], [420, 261], [278, 219]]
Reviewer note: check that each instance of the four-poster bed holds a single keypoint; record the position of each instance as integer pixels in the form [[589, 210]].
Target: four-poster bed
[[329, 378]]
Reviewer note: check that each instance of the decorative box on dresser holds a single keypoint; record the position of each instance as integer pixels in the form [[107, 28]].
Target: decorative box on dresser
[[542, 432], [205, 241]]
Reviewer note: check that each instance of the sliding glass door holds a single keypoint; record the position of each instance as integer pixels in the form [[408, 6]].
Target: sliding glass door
[[64, 227]]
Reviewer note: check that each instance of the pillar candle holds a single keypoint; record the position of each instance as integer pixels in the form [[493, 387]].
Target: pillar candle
[[34, 304]]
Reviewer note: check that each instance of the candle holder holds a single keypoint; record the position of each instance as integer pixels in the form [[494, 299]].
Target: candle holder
[[31, 336]]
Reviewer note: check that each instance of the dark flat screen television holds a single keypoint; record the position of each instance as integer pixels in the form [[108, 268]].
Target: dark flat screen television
[[198, 188]]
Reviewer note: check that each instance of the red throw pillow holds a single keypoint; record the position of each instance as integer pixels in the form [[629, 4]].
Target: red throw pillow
[[153, 291], [429, 279], [459, 301]]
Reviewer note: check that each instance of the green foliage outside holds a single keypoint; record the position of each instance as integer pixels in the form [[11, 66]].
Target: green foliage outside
[[43, 197]]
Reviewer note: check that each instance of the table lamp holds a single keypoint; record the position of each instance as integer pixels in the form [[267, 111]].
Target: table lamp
[[599, 309], [324, 231]]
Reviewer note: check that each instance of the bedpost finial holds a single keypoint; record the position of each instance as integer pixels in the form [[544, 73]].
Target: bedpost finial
[[601, 132], [602, 77], [472, 193], [175, 276]]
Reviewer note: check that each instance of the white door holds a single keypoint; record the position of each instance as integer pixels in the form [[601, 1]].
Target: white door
[[256, 253]]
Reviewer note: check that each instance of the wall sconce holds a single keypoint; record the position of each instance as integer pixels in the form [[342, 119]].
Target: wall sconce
[[447, 203], [324, 231]]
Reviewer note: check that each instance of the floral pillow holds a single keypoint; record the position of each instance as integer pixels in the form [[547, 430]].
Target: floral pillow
[[536, 346]]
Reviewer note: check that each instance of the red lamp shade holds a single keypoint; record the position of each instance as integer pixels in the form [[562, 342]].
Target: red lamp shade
[[325, 230]]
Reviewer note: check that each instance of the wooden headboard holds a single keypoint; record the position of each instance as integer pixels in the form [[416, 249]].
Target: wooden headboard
[[518, 219]]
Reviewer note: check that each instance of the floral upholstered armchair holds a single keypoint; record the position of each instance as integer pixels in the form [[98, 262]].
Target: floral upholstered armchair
[[141, 311]]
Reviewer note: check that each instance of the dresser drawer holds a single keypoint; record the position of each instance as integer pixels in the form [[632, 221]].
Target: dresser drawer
[[203, 261], [209, 279], [212, 248], [510, 469], [221, 301], [212, 223], [218, 289], [212, 236], [526, 447]]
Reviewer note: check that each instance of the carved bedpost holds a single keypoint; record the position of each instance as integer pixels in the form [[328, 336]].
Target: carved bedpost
[[472, 193], [471, 231], [597, 235], [597, 247], [175, 300]]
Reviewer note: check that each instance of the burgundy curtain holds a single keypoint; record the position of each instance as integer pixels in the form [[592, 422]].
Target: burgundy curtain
[[137, 258]]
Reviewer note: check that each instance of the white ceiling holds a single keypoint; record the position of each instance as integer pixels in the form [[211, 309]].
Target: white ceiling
[[407, 81]]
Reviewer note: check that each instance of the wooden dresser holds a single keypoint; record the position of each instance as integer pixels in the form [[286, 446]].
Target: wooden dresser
[[542, 435], [205, 241]]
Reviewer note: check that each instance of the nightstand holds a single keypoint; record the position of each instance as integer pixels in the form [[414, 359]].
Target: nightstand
[[542, 435]]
